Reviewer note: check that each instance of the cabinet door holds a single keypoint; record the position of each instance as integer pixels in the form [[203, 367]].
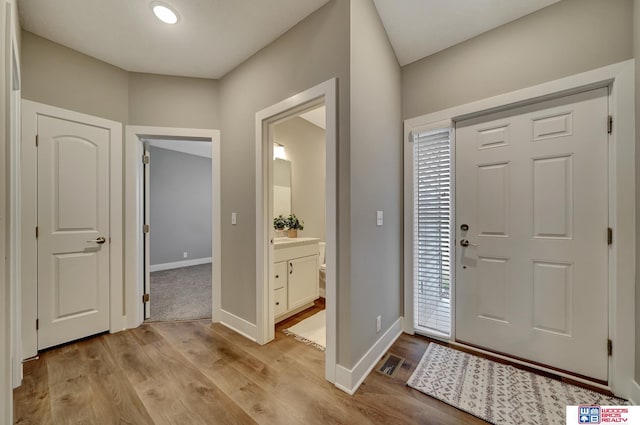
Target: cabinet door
[[280, 275], [303, 281], [280, 300]]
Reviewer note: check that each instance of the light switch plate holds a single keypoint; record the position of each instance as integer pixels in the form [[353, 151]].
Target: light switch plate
[[234, 218], [379, 218]]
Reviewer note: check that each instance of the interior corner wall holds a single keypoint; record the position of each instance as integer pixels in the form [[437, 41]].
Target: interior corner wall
[[376, 180], [59, 76], [305, 148], [636, 51], [180, 186], [313, 51], [166, 101], [567, 38]]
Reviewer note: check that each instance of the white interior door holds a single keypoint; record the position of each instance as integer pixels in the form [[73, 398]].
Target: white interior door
[[531, 185], [73, 230]]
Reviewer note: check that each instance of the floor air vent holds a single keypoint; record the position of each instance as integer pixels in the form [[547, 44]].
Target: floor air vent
[[391, 364]]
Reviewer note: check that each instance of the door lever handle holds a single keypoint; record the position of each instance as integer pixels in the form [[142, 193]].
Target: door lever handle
[[100, 240], [465, 243]]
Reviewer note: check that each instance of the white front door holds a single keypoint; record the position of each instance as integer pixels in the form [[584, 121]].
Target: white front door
[[73, 230], [531, 185]]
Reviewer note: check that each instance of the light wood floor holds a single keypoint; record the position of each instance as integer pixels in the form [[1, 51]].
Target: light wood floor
[[198, 373]]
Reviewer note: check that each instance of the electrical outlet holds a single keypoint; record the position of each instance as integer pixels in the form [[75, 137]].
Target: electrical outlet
[[234, 218], [185, 255], [378, 323], [379, 218]]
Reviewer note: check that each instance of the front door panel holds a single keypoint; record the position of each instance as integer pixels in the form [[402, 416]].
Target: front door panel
[[532, 282]]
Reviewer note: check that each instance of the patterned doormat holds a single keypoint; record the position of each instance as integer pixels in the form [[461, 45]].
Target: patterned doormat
[[498, 393]]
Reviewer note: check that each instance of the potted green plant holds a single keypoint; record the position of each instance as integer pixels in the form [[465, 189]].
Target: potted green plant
[[293, 225], [280, 223]]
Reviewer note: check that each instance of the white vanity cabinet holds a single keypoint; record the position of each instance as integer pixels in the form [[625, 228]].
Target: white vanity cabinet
[[280, 288], [296, 263]]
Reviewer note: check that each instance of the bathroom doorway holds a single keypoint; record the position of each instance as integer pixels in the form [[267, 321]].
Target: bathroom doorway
[[299, 217], [289, 267]]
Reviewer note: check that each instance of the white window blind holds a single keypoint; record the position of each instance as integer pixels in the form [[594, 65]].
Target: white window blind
[[432, 230]]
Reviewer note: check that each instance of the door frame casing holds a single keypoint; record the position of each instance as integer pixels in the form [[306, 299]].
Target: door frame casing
[[619, 78], [133, 244], [15, 86], [265, 119], [29, 192]]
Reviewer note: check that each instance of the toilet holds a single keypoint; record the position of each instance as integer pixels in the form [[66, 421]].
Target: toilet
[[323, 268]]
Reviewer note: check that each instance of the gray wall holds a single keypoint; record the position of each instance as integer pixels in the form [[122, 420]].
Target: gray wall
[[566, 38], [376, 180], [180, 206], [305, 147], [636, 51], [160, 100], [59, 76], [315, 50]]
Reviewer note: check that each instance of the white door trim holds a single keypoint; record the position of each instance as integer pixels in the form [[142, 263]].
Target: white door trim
[[620, 80], [265, 119], [14, 201], [29, 164], [134, 279]]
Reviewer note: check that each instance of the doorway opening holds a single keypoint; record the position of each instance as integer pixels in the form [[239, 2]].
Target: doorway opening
[[288, 276], [177, 232], [173, 224], [299, 217]]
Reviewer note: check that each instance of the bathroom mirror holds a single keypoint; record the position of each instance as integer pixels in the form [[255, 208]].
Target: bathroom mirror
[[281, 187]]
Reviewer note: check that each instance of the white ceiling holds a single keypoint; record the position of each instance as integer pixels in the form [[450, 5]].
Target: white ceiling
[[316, 117], [211, 37], [214, 36], [199, 148], [419, 28]]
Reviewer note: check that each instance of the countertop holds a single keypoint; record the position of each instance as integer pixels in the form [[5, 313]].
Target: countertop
[[291, 242]]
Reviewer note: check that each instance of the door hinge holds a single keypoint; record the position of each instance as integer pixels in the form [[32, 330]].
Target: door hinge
[[609, 236], [37, 324], [36, 232], [36, 140], [145, 298], [609, 347], [146, 228], [145, 159], [610, 124]]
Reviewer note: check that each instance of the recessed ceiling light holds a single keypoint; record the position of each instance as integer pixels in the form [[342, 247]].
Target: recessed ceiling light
[[164, 13]]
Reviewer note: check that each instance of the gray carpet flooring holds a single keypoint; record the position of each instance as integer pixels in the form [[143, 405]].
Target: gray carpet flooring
[[181, 294]]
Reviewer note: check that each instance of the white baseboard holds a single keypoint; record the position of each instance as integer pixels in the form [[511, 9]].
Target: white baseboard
[[179, 264], [239, 325], [349, 380], [634, 397]]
